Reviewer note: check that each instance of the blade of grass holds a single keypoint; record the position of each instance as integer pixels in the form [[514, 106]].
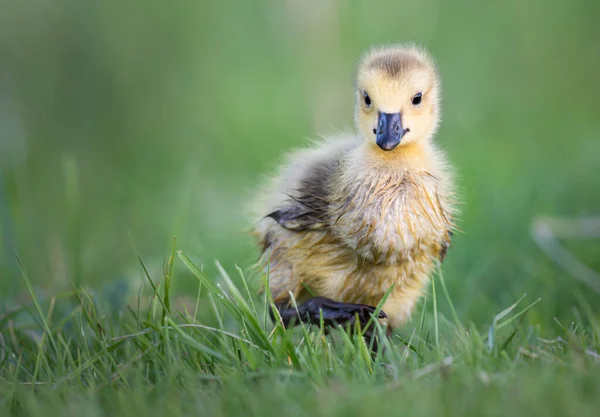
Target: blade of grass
[[154, 288], [513, 333], [450, 303], [499, 317], [517, 315], [168, 277], [435, 318], [36, 302]]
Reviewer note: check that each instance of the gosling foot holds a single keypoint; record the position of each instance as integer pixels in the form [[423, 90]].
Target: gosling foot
[[333, 313]]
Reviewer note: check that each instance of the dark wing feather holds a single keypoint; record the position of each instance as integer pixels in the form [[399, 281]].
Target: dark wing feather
[[297, 217], [308, 208], [445, 245]]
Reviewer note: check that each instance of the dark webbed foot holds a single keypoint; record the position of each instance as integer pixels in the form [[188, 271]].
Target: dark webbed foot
[[333, 312]]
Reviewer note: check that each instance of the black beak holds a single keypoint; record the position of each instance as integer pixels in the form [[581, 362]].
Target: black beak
[[389, 130]]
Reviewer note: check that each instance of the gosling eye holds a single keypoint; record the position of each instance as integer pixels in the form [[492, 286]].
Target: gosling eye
[[416, 100], [367, 100]]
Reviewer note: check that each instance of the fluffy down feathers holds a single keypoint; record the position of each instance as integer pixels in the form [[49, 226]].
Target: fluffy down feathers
[[349, 220]]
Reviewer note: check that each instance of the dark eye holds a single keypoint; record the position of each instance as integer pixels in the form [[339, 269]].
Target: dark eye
[[367, 99], [416, 100]]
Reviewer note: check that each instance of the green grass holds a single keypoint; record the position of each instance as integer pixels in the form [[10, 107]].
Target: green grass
[[79, 354]]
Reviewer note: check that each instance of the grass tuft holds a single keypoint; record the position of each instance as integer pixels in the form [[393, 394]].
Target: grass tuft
[[224, 355]]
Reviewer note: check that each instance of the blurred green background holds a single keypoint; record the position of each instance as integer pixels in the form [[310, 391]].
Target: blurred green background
[[123, 124]]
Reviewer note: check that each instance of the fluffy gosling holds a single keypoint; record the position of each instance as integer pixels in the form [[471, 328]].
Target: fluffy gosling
[[357, 214]]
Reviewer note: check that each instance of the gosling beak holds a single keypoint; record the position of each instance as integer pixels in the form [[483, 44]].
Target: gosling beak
[[389, 130]]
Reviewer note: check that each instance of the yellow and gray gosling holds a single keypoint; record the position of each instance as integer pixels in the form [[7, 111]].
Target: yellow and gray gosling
[[356, 214]]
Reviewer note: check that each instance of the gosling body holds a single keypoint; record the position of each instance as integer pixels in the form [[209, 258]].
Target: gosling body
[[358, 214]]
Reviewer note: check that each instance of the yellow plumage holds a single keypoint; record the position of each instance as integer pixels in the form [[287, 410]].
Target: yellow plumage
[[349, 217]]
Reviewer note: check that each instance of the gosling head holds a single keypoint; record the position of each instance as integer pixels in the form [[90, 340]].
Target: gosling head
[[397, 97]]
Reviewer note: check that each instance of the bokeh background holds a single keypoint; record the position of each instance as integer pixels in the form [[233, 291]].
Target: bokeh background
[[123, 124]]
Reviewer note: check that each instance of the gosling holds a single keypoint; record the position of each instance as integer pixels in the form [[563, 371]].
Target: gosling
[[356, 215]]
